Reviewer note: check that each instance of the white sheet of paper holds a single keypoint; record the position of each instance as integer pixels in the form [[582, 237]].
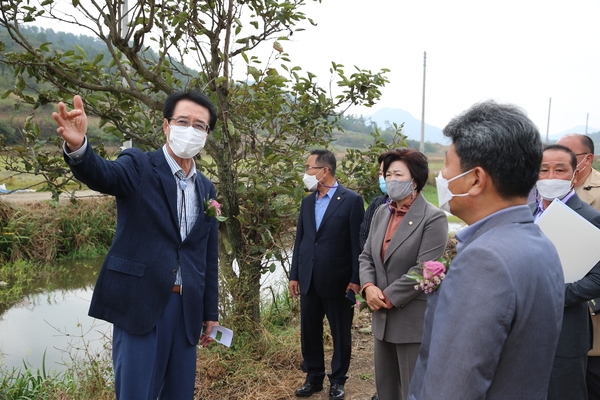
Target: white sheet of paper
[[222, 335], [575, 239]]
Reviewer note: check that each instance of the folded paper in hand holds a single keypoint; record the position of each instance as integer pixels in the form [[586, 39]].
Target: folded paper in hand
[[221, 335], [575, 238]]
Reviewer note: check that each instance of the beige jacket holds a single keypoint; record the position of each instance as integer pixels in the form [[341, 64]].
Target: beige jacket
[[589, 192]]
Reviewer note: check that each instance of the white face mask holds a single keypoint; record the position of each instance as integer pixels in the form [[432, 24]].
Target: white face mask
[[398, 190], [444, 193], [311, 182], [186, 142], [582, 161], [551, 189]]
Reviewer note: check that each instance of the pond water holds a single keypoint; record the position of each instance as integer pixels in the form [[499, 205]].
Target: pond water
[[46, 328], [51, 327]]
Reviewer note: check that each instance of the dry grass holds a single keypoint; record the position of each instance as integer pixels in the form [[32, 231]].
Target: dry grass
[[270, 371], [37, 231], [273, 371]]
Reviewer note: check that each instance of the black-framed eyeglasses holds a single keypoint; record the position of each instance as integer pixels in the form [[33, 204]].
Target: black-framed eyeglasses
[[581, 154], [308, 167], [184, 123]]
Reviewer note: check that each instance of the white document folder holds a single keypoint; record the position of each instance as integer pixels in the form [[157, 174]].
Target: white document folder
[[575, 238]]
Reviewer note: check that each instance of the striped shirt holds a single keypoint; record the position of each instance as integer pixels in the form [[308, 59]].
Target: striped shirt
[[187, 199]]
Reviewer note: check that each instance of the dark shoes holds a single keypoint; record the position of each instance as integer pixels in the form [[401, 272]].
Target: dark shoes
[[336, 392], [308, 389]]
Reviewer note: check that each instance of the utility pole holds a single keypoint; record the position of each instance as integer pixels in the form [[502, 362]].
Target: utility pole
[[423, 105], [124, 19], [587, 119], [548, 125], [127, 144]]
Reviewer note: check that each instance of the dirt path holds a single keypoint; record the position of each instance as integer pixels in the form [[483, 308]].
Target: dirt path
[[34, 197], [360, 384]]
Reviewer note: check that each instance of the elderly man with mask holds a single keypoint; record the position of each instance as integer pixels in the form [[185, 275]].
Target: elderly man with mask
[[325, 269], [158, 285], [558, 176], [588, 180], [588, 190]]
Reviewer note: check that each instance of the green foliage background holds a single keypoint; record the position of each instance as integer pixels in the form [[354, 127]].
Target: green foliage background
[[268, 121]]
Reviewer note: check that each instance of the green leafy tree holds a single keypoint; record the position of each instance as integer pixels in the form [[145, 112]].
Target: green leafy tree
[[267, 119]]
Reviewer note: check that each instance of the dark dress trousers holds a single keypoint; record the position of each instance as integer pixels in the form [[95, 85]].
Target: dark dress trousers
[[324, 263]]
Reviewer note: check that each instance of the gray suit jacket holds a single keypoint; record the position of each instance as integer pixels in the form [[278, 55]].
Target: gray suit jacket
[[421, 236], [491, 328]]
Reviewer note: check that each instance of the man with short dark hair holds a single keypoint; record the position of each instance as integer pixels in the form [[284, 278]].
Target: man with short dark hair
[[324, 269], [492, 326], [159, 282], [558, 176]]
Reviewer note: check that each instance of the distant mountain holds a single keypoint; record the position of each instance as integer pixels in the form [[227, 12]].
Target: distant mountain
[[577, 129], [593, 133], [595, 136], [412, 125]]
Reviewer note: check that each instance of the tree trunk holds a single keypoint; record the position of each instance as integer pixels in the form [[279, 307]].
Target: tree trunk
[[244, 286]]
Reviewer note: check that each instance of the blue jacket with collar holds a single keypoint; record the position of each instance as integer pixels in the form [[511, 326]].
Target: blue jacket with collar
[[139, 271]]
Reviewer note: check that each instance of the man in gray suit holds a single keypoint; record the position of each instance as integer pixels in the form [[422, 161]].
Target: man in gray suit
[[492, 326], [558, 177]]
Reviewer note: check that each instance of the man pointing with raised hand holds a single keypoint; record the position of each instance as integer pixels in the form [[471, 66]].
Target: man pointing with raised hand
[[158, 284]]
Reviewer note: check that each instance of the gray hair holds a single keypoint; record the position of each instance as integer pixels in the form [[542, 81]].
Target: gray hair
[[502, 140]]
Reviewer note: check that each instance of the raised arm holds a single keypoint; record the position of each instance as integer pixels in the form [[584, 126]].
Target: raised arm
[[72, 125]]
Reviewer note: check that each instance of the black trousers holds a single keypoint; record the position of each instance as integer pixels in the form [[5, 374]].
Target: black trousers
[[592, 378], [567, 380], [339, 313]]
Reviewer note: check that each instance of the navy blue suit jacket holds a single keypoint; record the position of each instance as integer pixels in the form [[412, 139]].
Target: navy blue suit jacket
[[328, 257], [139, 271]]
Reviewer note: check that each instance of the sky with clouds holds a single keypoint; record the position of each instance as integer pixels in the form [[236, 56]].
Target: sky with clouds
[[516, 51]]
